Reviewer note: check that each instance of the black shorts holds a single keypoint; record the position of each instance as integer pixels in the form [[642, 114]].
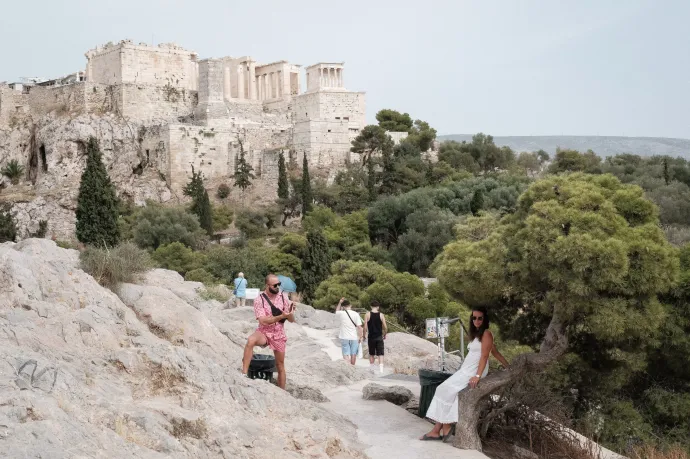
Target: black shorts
[[375, 346]]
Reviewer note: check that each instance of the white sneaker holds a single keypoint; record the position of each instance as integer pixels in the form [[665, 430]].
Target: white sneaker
[[381, 367]]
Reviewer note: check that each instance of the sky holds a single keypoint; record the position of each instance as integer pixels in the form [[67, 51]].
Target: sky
[[509, 67]]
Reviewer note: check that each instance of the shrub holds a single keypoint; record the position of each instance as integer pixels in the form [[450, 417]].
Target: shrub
[[42, 230], [216, 292], [111, 267], [156, 225], [222, 217], [13, 171], [200, 275], [223, 191], [256, 223], [8, 229], [178, 257]]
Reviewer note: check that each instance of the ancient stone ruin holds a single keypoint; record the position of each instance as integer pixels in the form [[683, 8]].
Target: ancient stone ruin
[[159, 110]]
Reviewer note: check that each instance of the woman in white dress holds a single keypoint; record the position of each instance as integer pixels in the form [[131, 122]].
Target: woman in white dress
[[444, 406]]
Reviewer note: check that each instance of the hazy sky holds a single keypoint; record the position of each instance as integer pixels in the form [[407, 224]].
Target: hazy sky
[[580, 67]]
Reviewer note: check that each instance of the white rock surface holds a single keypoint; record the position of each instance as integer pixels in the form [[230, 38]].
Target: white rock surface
[[151, 373]]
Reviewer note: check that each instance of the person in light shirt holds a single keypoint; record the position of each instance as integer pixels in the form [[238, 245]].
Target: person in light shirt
[[350, 330]]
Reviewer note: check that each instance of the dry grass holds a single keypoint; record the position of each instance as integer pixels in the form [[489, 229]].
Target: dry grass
[[165, 379], [184, 428], [215, 292], [131, 433], [650, 452], [113, 266]]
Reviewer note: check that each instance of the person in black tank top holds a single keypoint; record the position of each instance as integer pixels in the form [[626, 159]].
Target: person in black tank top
[[375, 332]]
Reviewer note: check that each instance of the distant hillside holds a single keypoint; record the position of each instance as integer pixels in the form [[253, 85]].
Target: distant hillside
[[603, 146]]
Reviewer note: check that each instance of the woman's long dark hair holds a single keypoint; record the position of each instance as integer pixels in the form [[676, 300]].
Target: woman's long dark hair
[[479, 332]]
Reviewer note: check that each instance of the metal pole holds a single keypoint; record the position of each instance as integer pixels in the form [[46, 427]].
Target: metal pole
[[462, 342]]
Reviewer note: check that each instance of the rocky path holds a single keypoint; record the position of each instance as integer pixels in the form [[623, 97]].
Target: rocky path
[[387, 430]]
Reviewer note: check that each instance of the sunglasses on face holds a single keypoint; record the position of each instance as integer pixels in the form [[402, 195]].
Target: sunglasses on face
[[480, 318], [276, 285]]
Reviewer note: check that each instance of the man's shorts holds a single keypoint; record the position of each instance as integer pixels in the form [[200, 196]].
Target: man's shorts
[[349, 346], [375, 346]]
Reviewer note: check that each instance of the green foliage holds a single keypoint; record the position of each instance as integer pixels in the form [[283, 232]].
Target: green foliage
[[574, 161], [243, 170], [530, 162], [200, 275], [393, 121], [97, 204], [178, 257], [13, 171], [315, 263], [421, 135], [388, 168], [369, 141], [255, 223], [155, 225], [363, 282], [222, 217], [318, 218], [201, 204], [223, 191], [477, 202], [293, 244], [8, 229], [587, 249], [348, 193], [213, 292], [111, 267], [371, 181], [482, 154], [283, 184], [307, 195]]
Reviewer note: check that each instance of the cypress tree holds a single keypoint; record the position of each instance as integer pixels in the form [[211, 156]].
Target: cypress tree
[[477, 202], [8, 230], [667, 176], [307, 196], [243, 171], [283, 185], [388, 173], [97, 203], [201, 204], [315, 263]]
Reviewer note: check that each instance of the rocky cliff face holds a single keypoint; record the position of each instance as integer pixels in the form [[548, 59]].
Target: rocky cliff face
[[149, 372], [53, 150]]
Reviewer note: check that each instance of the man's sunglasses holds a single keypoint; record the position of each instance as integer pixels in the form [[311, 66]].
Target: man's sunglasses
[[480, 318], [276, 285]]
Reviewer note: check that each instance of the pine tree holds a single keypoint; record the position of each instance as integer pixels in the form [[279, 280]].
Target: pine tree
[[201, 204], [307, 196], [97, 203], [315, 263], [283, 185], [8, 230], [371, 179], [243, 170]]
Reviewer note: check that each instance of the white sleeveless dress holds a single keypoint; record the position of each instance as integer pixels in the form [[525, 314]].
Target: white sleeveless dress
[[444, 405]]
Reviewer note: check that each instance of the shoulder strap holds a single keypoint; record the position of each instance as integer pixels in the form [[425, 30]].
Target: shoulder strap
[[350, 317], [274, 310]]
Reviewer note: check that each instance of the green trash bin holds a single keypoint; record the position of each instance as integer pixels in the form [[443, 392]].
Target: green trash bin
[[429, 380]]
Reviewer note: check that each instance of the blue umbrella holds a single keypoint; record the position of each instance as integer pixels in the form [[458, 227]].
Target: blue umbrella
[[287, 284]]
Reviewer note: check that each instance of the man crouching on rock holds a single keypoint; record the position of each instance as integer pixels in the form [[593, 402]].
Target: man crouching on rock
[[272, 309]]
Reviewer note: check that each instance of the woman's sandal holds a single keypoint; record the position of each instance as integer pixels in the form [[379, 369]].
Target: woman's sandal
[[429, 438]]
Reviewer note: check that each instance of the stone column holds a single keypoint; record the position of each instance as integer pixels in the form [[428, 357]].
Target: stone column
[[321, 79], [227, 87], [252, 81], [340, 78], [240, 80]]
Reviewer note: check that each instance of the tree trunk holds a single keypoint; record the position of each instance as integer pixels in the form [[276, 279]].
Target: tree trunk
[[469, 400]]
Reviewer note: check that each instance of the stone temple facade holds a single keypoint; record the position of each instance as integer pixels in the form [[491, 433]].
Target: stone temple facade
[[183, 111]]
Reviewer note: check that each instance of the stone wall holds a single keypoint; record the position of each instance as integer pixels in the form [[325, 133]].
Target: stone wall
[[125, 62]]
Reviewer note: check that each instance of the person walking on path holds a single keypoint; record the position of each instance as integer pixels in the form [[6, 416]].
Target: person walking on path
[[444, 406], [240, 291], [350, 330], [375, 329], [272, 308]]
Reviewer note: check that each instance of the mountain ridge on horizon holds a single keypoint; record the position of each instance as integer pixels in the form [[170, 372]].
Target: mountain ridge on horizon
[[601, 145]]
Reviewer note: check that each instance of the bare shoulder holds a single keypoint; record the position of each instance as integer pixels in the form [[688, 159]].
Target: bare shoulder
[[488, 334]]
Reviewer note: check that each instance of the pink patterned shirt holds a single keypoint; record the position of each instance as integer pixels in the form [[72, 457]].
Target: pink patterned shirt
[[276, 331]]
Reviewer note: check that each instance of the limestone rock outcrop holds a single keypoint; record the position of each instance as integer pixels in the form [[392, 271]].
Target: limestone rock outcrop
[[149, 372], [397, 395]]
